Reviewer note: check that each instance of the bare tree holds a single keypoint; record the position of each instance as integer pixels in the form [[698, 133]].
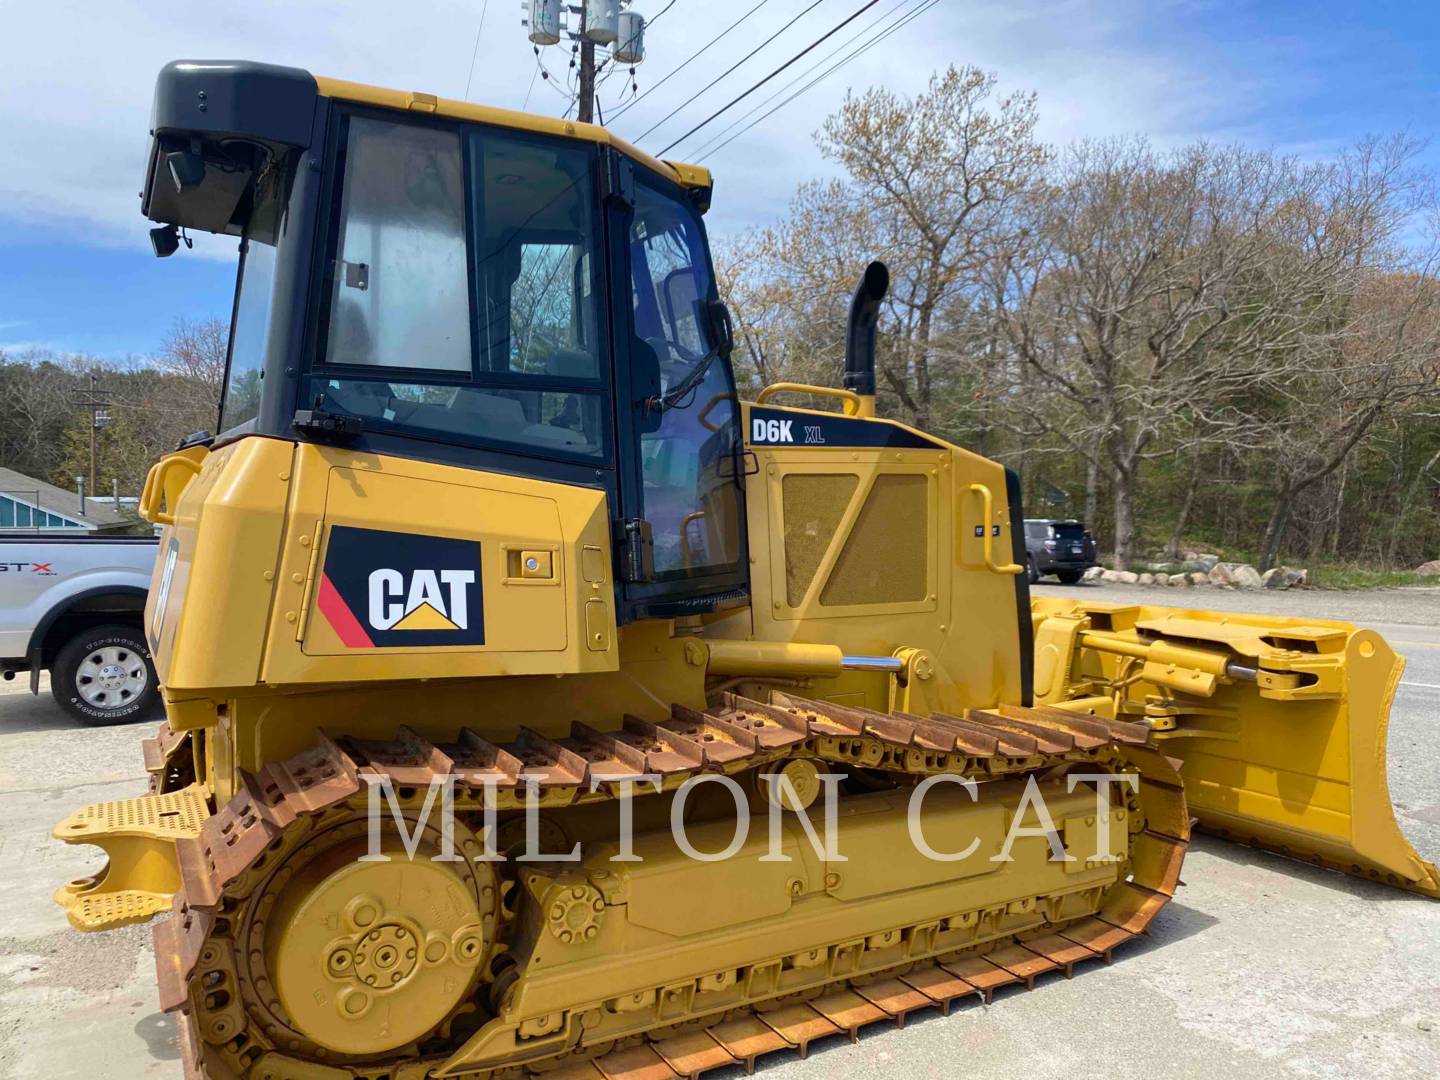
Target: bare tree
[[941, 172], [1212, 335], [1158, 296], [196, 351]]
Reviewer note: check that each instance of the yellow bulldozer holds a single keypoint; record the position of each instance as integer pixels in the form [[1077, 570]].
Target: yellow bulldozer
[[533, 704]]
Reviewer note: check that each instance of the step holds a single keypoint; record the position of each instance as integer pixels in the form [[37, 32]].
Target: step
[[90, 911], [168, 817], [142, 874]]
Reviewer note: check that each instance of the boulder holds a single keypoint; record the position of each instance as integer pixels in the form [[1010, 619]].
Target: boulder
[[1429, 569], [1198, 578], [1284, 577], [1147, 579], [1206, 563], [1178, 579], [1220, 575], [1093, 573], [1246, 577], [1120, 577]]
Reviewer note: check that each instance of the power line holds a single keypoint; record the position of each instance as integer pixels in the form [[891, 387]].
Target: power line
[[808, 48], [682, 67], [549, 79], [531, 90], [924, 7], [667, 7], [715, 141], [732, 67], [476, 50], [869, 29]]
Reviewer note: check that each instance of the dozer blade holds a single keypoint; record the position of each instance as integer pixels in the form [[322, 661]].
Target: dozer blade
[[141, 877], [1281, 723]]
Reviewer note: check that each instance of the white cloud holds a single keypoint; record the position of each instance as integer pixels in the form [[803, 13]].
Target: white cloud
[[18, 348], [73, 121]]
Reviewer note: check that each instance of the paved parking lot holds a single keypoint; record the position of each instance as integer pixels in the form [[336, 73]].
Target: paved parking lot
[[1260, 968]]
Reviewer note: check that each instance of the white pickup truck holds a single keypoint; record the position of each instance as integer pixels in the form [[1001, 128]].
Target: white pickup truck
[[75, 605]]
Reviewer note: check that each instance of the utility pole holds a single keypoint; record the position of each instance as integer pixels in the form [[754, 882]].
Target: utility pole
[[585, 111], [591, 23], [98, 402]]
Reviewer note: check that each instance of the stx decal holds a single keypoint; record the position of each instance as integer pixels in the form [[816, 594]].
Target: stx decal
[[392, 590], [41, 568]]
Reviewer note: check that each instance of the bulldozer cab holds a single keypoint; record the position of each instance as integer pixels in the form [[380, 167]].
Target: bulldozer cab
[[477, 293]]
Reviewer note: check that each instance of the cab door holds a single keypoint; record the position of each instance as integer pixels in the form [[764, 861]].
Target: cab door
[[680, 423]]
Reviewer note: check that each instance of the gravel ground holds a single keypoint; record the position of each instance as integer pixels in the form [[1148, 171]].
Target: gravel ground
[[1260, 967], [1415, 606]]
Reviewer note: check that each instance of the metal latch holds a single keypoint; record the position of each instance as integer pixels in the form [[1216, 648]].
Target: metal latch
[[326, 426], [537, 565]]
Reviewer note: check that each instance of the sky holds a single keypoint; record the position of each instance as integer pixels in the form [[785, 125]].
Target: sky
[[77, 274]]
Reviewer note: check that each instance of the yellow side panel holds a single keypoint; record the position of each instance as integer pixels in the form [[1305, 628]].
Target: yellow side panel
[[878, 549], [520, 614], [391, 512], [225, 542]]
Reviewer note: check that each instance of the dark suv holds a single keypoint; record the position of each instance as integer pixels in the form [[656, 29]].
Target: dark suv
[[1063, 548]]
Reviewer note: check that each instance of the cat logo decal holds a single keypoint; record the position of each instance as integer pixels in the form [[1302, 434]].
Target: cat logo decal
[[386, 590]]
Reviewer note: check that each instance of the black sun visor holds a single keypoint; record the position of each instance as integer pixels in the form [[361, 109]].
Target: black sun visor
[[216, 124]]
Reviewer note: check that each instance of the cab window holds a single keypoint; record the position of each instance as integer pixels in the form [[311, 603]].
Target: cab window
[[254, 296], [463, 303]]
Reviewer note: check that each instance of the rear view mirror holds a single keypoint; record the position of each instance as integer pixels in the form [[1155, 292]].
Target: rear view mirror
[[722, 333], [680, 298]]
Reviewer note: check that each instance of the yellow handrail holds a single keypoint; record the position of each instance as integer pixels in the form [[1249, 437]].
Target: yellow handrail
[[154, 491], [849, 397], [987, 523]]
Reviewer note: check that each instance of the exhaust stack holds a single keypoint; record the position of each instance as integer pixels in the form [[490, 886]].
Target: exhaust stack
[[860, 334]]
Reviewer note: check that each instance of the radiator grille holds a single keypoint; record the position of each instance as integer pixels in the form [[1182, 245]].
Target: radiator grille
[[814, 503], [885, 558]]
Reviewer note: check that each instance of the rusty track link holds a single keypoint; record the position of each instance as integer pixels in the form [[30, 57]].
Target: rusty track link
[[245, 838]]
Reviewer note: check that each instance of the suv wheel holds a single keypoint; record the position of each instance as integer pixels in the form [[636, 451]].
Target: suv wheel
[[103, 675], [1070, 577], [1030, 571]]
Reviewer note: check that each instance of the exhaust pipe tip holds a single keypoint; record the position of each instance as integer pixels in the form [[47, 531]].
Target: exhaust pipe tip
[[860, 331]]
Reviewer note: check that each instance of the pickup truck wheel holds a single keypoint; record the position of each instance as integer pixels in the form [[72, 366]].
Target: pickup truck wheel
[[103, 675]]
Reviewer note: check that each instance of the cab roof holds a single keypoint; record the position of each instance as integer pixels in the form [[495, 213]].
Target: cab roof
[[238, 112], [694, 176]]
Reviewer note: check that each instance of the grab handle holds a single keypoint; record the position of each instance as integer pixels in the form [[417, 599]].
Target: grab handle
[[987, 519], [154, 492], [851, 400]]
